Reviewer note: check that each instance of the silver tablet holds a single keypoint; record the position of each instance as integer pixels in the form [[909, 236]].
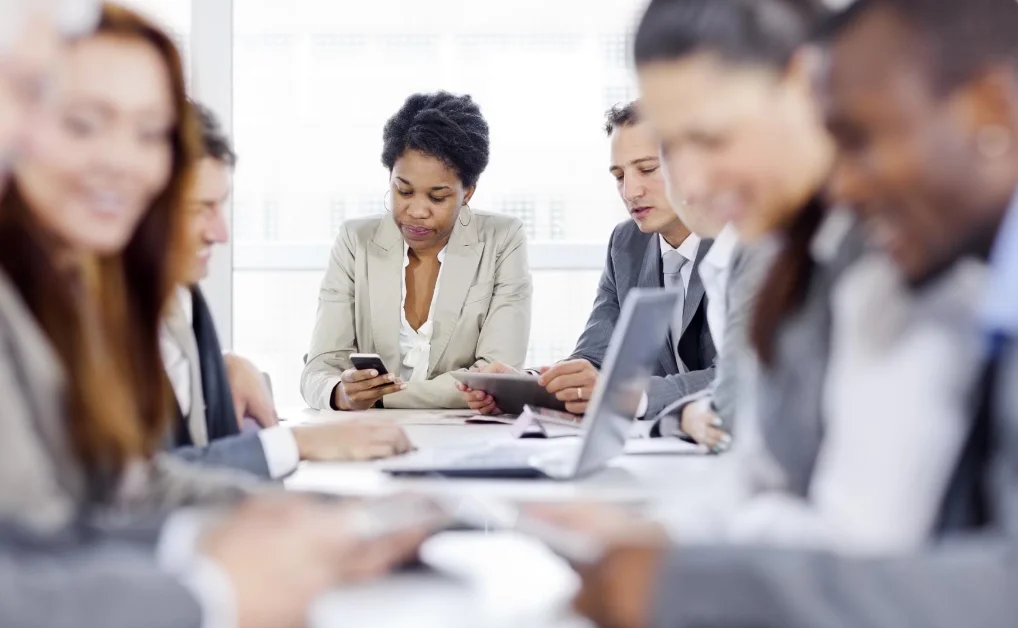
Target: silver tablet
[[511, 392]]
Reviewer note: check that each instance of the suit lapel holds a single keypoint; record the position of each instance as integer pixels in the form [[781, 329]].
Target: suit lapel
[[385, 266], [462, 257], [695, 292], [650, 269], [651, 277]]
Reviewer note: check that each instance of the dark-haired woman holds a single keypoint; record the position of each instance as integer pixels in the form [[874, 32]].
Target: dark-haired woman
[[432, 286]]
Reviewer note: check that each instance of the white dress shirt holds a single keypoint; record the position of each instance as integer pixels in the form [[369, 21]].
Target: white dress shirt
[[415, 344], [715, 269], [895, 409], [281, 451]]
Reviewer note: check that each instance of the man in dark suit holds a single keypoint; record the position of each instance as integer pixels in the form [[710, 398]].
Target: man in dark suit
[[658, 247], [216, 393]]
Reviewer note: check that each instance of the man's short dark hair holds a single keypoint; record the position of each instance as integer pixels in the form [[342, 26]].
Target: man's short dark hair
[[965, 37], [757, 32], [621, 116], [442, 125], [215, 143]]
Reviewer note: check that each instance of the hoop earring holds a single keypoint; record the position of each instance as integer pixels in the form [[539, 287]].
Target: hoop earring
[[388, 195], [470, 215]]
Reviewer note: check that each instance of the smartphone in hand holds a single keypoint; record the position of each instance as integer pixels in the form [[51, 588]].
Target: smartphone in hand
[[368, 362]]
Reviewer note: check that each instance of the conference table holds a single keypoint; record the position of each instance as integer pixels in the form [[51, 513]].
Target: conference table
[[480, 579]]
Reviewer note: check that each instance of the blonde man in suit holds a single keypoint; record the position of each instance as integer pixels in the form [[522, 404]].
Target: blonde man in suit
[[216, 393], [432, 286]]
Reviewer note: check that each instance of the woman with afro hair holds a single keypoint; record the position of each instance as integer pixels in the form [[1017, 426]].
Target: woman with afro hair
[[432, 286]]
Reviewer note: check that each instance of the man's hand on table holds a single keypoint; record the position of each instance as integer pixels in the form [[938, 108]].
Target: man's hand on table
[[572, 381], [350, 441]]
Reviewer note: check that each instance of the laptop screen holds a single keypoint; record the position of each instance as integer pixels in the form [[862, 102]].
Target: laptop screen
[[637, 342]]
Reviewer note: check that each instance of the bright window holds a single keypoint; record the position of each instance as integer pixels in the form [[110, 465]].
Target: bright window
[[313, 83]]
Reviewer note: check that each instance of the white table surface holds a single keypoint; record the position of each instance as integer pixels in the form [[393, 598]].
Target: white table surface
[[499, 580]]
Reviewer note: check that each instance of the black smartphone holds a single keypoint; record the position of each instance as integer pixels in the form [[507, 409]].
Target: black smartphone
[[368, 362]]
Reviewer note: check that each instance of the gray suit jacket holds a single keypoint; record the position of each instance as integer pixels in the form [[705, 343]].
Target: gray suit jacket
[[968, 578], [42, 486], [243, 452], [790, 393], [481, 315], [750, 265], [77, 579], [634, 261]]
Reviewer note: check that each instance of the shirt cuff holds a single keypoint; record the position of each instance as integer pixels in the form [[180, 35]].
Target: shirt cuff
[[281, 451], [641, 411], [177, 553], [177, 546], [211, 587]]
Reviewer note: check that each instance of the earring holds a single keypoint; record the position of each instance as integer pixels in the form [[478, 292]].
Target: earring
[[470, 215], [993, 141], [385, 204]]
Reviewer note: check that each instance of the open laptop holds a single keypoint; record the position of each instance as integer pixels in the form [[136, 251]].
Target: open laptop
[[628, 367]]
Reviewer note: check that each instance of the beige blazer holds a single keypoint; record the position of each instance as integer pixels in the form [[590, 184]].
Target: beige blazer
[[482, 312], [41, 483]]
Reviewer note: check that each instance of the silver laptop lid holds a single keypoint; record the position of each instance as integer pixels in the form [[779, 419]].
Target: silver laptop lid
[[625, 376]]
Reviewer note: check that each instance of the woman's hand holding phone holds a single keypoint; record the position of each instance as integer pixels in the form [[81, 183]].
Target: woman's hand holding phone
[[361, 390]]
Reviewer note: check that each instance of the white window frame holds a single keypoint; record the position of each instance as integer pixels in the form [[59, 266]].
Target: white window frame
[[212, 84]]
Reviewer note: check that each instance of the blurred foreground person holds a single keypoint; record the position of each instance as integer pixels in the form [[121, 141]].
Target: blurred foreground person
[[215, 393], [107, 151], [922, 96], [91, 237], [847, 429]]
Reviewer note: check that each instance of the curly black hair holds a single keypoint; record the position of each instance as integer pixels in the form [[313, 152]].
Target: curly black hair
[[448, 127]]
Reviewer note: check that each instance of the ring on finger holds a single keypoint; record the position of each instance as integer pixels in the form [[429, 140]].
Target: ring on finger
[[579, 394]]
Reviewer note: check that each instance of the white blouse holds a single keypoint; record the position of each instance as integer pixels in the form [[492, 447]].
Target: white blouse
[[415, 345]]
